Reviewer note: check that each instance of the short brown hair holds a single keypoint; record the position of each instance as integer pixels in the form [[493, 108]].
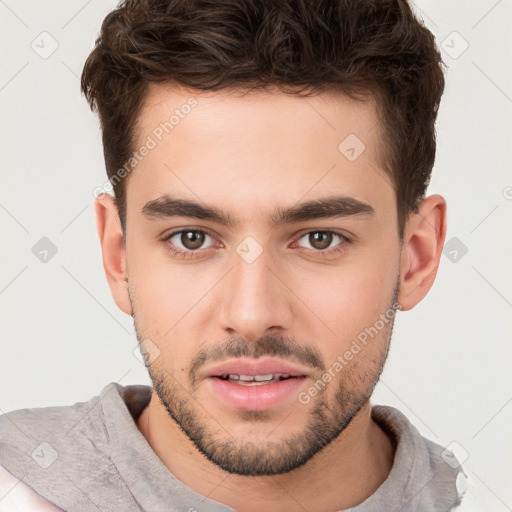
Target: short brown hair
[[357, 47]]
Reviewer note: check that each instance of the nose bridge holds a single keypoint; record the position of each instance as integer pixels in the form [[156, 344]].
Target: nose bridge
[[253, 299]]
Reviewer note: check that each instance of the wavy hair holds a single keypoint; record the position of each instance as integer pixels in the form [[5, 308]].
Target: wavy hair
[[357, 47]]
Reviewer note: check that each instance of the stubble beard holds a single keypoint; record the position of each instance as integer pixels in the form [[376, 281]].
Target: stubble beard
[[327, 419]]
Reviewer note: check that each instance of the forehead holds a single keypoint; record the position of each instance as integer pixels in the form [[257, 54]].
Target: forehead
[[257, 148]]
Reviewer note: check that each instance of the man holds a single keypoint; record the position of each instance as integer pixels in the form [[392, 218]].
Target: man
[[269, 162]]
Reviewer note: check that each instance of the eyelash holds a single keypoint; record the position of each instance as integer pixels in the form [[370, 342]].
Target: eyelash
[[336, 250]]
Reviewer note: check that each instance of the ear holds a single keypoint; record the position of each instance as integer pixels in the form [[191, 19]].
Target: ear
[[110, 232], [421, 251]]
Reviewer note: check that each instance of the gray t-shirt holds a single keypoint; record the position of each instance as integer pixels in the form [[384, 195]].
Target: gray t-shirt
[[91, 457]]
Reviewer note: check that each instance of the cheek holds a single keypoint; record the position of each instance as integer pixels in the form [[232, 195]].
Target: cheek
[[169, 303], [161, 305], [163, 295], [350, 297]]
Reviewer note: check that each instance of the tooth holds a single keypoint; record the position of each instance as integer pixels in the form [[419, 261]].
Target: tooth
[[260, 378], [246, 377], [234, 376]]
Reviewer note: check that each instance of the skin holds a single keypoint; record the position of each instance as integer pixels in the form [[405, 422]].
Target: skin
[[249, 155]]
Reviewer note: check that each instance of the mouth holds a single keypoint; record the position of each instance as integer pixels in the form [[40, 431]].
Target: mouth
[[255, 384], [256, 380]]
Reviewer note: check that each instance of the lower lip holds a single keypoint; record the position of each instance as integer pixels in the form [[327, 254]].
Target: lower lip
[[255, 397]]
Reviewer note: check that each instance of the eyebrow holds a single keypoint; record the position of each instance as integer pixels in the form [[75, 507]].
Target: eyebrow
[[325, 208]]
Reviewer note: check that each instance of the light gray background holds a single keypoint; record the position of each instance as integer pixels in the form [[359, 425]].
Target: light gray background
[[63, 337]]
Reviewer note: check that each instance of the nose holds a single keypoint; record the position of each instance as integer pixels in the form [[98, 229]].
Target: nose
[[254, 299]]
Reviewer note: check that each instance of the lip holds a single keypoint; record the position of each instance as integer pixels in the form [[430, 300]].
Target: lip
[[260, 366], [262, 396]]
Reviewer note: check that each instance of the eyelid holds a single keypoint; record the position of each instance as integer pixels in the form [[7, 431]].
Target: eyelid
[[342, 234], [340, 247], [331, 252], [168, 235]]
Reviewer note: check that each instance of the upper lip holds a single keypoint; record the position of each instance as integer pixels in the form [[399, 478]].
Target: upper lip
[[251, 367]]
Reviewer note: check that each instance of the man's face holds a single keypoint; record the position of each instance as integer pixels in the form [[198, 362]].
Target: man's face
[[244, 322]]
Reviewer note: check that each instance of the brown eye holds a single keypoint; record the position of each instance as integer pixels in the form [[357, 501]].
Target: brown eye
[[188, 240], [192, 240], [321, 240]]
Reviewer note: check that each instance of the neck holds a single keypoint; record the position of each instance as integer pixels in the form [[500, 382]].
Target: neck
[[342, 475]]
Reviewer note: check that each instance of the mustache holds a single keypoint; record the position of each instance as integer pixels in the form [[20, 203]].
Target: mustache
[[269, 345]]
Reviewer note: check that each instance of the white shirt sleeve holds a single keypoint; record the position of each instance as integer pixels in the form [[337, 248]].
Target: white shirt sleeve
[[15, 496]]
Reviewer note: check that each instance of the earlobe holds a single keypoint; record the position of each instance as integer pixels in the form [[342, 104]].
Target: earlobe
[[421, 250], [108, 226]]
